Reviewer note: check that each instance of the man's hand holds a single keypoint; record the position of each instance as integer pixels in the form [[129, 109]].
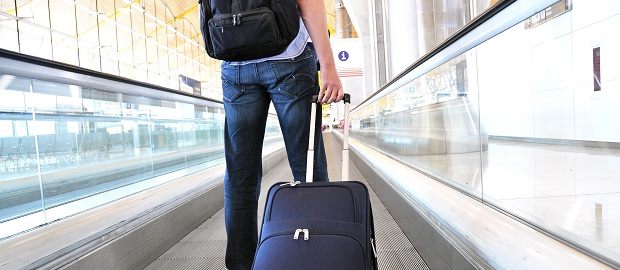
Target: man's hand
[[331, 88]]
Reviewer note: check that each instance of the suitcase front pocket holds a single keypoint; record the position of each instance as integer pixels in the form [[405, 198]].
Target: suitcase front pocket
[[312, 251], [315, 201]]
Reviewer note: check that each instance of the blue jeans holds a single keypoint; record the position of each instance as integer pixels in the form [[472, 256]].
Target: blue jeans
[[248, 90]]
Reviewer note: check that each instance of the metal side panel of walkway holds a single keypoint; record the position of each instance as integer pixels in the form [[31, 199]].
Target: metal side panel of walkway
[[204, 248]]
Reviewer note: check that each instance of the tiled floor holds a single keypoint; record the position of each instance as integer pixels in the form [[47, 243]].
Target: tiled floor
[[204, 248]]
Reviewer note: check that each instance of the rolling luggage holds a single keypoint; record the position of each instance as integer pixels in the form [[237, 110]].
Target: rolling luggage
[[318, 225]]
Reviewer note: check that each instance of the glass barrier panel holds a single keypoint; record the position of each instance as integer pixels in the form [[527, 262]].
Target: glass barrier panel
[[549, 102], [19, 181], [526, 121], [66, 148], [432, 124]]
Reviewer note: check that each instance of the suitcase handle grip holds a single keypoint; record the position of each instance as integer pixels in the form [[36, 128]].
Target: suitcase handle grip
[[346, 98], [345, 139]]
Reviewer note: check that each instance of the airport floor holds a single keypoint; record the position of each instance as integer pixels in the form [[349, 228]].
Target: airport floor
[[204, 248]]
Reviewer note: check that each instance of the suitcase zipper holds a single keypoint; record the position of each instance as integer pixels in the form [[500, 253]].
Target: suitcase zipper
[[306, 234], [292, 184], [307, 237], [374, 249]]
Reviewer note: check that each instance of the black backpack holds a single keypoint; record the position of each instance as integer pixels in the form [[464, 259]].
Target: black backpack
[[239, 30]]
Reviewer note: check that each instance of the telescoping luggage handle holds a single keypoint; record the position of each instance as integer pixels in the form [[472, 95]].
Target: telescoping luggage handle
[[345, 139]]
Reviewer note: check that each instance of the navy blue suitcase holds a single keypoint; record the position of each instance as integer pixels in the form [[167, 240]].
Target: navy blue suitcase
[[314, 226]]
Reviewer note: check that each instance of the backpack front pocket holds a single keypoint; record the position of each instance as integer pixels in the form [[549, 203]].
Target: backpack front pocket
[[252, 28]]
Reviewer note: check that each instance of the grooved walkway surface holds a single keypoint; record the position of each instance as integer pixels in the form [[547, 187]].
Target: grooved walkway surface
[[204, 248]]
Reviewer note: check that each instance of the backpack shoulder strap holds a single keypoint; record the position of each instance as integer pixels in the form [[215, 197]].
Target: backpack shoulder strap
[[235, 6]]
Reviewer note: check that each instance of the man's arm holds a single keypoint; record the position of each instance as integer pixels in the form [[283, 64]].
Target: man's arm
[[313, 15]]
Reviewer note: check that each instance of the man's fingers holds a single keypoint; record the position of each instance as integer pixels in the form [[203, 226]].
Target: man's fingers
[[331, 95], [320, 95], [340, 96], [324, 95], [334, 96]]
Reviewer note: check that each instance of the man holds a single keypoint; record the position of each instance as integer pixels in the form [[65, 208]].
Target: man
[[289, 80]]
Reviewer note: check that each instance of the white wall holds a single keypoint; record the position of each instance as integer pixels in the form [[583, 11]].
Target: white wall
[[360, 17], [355, 63], [402, 44], [538, 82]]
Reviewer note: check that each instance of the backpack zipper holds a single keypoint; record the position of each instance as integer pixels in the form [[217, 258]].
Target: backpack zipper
[[236, 18]]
